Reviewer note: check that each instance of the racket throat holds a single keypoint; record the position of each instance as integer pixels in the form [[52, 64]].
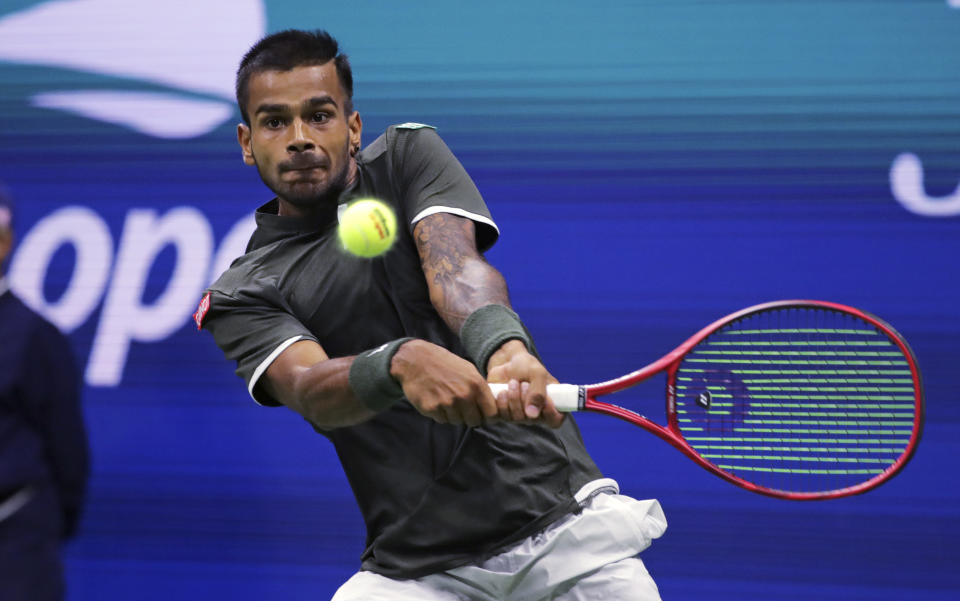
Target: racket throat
[[568, 397]]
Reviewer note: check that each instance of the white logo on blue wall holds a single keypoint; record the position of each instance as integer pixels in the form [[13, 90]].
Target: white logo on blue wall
[[906, 185], [189, 48], [119, 281]]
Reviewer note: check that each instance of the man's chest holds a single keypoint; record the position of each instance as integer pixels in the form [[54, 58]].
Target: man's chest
[[350, 303]]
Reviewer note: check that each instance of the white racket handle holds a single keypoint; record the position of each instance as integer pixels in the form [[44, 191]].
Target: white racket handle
[[565, 397]]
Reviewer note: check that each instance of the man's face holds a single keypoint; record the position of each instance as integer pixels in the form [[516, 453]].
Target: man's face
[[300, 135]]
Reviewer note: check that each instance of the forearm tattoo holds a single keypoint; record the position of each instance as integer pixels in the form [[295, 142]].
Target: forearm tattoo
[[459, 278]]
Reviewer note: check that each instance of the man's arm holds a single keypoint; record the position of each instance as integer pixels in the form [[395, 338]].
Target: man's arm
[[306, 380], [459, 279], [460, 282], [438, 383]]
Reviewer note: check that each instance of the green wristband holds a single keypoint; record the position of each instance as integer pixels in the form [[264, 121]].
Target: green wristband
[[487, 328], [370, 377]]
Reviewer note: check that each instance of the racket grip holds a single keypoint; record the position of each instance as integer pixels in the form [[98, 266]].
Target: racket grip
[[565, 397]]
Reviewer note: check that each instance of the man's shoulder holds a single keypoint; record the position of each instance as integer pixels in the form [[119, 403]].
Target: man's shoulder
[[395, 135], [401, 132], [244, 283], [17, 311], [411, 126], [22, 319], [246, 270]]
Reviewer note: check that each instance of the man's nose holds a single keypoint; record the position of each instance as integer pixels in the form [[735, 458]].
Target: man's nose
[[300, 141]]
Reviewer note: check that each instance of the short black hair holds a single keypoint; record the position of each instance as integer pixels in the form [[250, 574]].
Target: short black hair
[[285, 50]]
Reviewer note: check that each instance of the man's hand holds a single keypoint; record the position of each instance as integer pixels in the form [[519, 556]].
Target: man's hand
[[526, 396], [442, 385], [460, 281]]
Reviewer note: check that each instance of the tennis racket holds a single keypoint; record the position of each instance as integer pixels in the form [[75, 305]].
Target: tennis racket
[[791, 399]]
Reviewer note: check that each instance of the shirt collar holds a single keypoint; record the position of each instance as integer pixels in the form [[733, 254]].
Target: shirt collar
[[272, 227]]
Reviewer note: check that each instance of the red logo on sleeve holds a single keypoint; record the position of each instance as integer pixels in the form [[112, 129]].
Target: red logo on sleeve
[[202, 311]]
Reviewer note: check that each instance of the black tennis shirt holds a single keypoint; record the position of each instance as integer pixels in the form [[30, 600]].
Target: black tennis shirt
[[433, 496]]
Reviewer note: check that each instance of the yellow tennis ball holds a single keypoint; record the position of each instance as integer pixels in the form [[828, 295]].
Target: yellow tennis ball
[[367, 228]]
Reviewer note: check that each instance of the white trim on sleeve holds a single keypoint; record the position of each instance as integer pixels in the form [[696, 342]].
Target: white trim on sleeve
[[266, 363], [454, 211]]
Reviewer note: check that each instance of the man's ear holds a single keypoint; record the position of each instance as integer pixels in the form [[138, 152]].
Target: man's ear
[[243, 137], [355, 124]]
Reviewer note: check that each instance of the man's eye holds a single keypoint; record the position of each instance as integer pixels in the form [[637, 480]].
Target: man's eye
[[273, 123], [320, 117]]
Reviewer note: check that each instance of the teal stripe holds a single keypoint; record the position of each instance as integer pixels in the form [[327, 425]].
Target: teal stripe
[[800, 459], [811, 405], [712, 342], [875, 451], [826, 422], [869, 415], [803, 388], [810, 422], [802, 353], [752, 412], [830, 397], [750, 397], [821, 431], [787, 470], [807, 372], [796, 362], [799, 331], [818, 440], [831, 381], [813, 380]]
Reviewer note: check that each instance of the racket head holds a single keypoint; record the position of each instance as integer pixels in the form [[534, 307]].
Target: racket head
[[794, 399]]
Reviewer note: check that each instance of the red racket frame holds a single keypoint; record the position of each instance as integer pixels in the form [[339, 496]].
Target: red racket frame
[[672, 434]]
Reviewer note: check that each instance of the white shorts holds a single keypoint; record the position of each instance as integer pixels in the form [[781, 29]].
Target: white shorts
[[590, 555]]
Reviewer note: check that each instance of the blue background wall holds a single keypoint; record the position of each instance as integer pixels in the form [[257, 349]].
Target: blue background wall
[[652, 166]]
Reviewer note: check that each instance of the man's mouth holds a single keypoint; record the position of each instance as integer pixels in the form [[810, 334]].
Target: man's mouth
[[302, 165]]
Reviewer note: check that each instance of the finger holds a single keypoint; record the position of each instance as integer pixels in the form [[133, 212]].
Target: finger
[[497, 374], [530, 409], [550, 415], [515, 400], [535, 398], [503, 405], [502, 398], [486, 403]]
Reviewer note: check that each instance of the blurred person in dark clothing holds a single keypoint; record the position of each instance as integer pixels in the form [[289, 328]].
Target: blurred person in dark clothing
[[44, 456]]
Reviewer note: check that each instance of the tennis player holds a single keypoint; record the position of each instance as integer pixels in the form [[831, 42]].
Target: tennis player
[[464, 495]]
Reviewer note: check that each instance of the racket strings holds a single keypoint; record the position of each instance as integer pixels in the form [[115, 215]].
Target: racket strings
[[803, 399]]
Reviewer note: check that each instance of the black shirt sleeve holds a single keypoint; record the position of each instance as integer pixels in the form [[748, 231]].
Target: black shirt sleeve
[[252, 323], [432, 180]]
